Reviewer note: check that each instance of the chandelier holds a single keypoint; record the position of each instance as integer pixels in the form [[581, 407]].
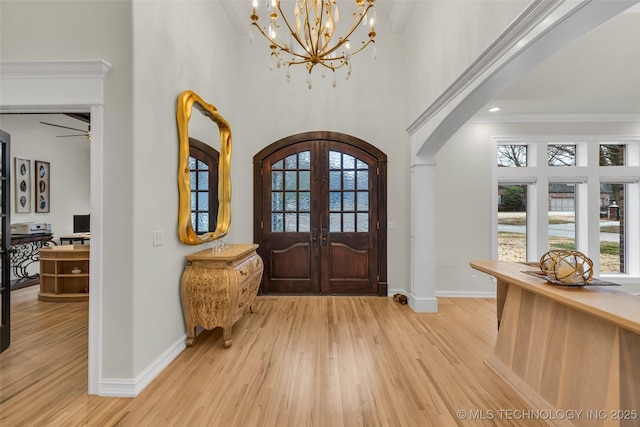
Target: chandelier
[[311, 34]]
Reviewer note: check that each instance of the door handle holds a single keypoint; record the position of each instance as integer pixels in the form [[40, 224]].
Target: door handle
[[324, 237], [314, 236]]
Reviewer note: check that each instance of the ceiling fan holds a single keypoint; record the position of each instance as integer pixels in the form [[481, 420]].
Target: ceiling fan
[[86, 133]]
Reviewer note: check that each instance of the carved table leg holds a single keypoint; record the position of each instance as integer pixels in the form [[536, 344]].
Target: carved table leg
[[226, 335], [191, 336]]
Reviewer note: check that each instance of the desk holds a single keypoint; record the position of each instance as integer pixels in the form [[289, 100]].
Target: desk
[[567, 348], [75, 237]]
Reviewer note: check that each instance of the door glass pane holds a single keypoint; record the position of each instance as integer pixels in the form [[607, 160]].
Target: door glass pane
[[613, 228], [203, 200], [193, 202], [291, 162], [348, 223], [348, 162], [334, 160], [363, 222], [334, 180], [349, 201], [512, 223], [305, 180], [277, 181], [277, 201], [304, 160], [363, 180], [203, 181], [290, 202], [277, 222], [305, 201], [277, 165], [192, 180], [305, 222], [562, 216], [348, 180], [203, 222], [291, 180], [334, 201], [291, 222], [202, 165], [192, 162], [363, 201], [335, 223]]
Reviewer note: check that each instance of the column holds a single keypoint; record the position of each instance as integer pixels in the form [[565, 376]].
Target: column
[[422, 297]]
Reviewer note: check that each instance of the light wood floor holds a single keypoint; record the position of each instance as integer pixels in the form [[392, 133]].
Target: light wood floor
[[296, 361]]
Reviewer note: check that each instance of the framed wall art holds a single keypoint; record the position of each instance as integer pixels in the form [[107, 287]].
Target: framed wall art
[[43, 186], [23, 185]]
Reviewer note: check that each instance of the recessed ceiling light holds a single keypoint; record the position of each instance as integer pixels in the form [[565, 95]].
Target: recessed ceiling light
[[494, 109]]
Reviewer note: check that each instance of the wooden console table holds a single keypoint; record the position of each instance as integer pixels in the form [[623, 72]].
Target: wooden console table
[[218, 286], [568, 348]]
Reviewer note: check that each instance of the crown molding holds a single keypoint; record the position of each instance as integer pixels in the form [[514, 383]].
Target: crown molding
[[97, 68]]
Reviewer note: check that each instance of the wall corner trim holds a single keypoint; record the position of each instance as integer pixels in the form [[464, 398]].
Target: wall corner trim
[[131, 387]]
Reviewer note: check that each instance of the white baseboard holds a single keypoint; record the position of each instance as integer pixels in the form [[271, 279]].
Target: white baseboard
[[465, 294], [423, 305], [392, 292], [128, 387]]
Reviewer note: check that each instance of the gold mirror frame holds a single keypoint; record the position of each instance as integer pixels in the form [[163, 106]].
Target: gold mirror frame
[[186, 101]]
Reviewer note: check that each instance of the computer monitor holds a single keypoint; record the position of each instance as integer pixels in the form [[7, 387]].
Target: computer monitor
[[81, 224]]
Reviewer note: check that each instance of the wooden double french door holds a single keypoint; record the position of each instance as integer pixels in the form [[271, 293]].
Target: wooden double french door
[[320, 215]]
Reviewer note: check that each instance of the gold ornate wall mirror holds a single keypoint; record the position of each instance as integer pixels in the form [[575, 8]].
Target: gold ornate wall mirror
[[186, 205]]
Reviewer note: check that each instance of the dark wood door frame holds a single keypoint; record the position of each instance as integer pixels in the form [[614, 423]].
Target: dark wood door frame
[[5, 241], [381, 190]]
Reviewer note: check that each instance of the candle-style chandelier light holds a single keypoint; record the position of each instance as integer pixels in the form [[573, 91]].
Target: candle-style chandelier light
[[309, 37]]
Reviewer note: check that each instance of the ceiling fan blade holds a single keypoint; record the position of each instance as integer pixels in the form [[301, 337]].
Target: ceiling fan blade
[[65, 127]]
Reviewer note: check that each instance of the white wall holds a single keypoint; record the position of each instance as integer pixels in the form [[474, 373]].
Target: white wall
[[179, 46], [369, 106], [66, 30], [190, 45], [69, 166], [443, 38], [464, 188]]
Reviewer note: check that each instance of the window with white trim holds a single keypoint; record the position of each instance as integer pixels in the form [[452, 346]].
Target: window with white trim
[[572, 193]]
